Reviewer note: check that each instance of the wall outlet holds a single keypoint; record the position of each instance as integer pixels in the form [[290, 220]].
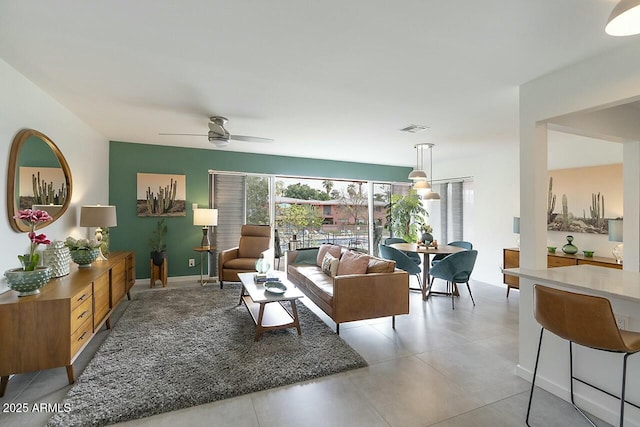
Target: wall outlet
[[192, 262], [621, 321]]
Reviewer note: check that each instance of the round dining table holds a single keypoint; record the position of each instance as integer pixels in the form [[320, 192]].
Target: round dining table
[[426, 251]]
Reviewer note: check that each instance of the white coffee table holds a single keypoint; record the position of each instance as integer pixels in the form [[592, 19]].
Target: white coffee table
[[266, 316]]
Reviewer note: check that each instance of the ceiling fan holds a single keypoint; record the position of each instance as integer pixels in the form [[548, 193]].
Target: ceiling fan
[[219, 135]]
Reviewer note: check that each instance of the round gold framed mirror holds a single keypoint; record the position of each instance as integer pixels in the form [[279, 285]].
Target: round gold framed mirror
[[38, 178]]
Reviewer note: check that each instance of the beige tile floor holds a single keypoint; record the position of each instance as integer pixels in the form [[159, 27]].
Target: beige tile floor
[[439, 367]]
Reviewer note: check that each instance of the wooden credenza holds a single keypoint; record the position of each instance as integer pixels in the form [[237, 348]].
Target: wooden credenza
[[511, 259], [50, 329]]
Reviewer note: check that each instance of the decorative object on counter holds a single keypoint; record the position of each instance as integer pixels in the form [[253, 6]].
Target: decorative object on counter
[[426, 237], [205, 218], [615, 235], [28, 279], [58, 258], [588, 254], [101, 217], [83, 251], [551, 249], [516, 229], [570, 248], [157, 243]]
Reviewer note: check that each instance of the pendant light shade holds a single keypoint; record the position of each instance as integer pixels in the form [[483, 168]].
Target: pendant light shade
[[422, 187], [624, 19], [418, 174], [432, 195]]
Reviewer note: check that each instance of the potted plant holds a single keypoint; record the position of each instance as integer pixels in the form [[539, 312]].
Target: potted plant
[[83, 251], [157, 243], [426, 236], [405, 216]]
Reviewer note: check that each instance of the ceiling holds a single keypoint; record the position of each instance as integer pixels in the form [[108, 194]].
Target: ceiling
[[331, 79]]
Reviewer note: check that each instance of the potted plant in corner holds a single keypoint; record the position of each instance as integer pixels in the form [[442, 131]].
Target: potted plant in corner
[[157, 243]]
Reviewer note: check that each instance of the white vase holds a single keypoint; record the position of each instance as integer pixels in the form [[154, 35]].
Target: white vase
[[57, 257]]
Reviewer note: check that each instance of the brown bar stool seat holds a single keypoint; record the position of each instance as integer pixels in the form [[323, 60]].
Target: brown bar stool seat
[[585, 320]]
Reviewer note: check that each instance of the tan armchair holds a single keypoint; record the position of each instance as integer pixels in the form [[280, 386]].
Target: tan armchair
[[254, 240]]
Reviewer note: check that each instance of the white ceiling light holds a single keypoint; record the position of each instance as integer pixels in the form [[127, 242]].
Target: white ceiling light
[[624, 19], [418, 174], [422, 187]]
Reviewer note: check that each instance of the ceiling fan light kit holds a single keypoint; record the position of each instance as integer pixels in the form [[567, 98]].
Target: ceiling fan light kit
[[624, 19], [220, 136]]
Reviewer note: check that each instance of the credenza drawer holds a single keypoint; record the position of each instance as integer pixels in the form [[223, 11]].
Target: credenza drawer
[[81, 336], [556, 261], [82, 296], [80, 314]]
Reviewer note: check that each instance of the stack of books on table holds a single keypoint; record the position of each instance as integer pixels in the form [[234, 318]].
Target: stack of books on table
[[262, 278]]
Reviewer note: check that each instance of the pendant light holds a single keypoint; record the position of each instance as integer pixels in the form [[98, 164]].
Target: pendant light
[[624, 19], [431, 195], [418, 173]]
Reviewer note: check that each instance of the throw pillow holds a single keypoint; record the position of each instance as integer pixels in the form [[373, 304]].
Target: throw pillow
[[353, 263], [377, 265], [334, 250], [330, 265]]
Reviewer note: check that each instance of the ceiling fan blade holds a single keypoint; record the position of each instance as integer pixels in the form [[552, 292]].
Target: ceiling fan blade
[[182, 134], [249, 138]]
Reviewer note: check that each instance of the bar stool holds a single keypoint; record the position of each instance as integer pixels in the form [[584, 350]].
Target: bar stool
[[585, 320]]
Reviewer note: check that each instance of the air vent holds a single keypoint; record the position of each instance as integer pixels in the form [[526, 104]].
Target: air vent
[[414, 128]]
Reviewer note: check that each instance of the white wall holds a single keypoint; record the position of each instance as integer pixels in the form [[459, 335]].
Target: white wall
[[24, 105], [496, 202]]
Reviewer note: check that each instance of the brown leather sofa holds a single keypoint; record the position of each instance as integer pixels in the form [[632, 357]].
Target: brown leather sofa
[[254, 240], [381, 291]]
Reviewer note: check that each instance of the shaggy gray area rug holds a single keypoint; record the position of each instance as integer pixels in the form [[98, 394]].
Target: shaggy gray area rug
[[178, 348]]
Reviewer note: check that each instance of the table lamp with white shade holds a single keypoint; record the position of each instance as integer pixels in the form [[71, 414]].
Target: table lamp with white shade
[[100, 217], [205, 218]]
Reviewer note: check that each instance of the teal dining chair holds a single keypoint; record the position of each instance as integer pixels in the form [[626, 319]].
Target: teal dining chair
[[455, 268], [403, 262], [415, 257]]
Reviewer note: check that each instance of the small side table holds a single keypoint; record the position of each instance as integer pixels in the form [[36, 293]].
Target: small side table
[[202, 250], [158, 272]]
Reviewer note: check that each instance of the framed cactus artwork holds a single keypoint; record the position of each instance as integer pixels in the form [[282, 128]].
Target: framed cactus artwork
[[582, 200], [161, 194]]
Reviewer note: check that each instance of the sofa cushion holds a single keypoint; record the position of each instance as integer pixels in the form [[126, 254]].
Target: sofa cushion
[[330, 265], [312, 279], [334, 250], [379, 265], [241, 264], [353, 263], [306, 256]]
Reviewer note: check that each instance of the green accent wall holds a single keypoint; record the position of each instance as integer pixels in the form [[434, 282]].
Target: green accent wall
[[127, 159]]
